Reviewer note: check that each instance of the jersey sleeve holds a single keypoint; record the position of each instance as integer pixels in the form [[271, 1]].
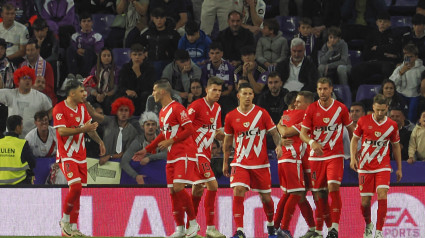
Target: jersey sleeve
[[268, 120], [346, 120], [182, 116], [191, 111], [298, 121], [395, 135], [308, 118], [228, 129], [358, 131], [58, 117]]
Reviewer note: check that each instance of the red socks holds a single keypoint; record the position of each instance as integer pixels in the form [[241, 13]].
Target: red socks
[[185, 200], [73, 195], [366, 214], [209, 205], [238, 210], [178, 211], [326, 212], [195, 201], [307, 212], [73, 217], [320, 204], [279, 210], [335, 206], [382, 213], [289, 210], [269, 210]]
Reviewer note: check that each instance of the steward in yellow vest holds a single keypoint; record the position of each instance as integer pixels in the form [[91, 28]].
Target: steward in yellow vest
[[16, 158]]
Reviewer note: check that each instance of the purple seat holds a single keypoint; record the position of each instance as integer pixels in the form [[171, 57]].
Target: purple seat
[[398, 21], [355, 57], [102, 23], [366, 91], [121, 56], [344, 93], [288, 26]]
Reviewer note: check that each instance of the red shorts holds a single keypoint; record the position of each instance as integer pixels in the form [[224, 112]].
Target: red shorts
[[258, 180], [370, 182], [305, 162], [74, 171], [181, 171], [204, 172], [326, 171], [291, 177]]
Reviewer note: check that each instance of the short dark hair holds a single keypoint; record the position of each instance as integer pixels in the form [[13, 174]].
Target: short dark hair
[[383, 15], [71, 85], [272, 24], [245, 85], [305, 21], [274, 74], [247, 50], [309, 96], [335, 31], [164, 84], [216, 45], [137, 47], [191, 28], [418, 19], [359, 104], [158, 12], [290, 97], [411, 48], [325, 80], [13, 122], [33, 41], [214, 80], [385, 81], [85, 15], [39, 24], [234, 12], [8, 6], [380, 99], [40, 115], [181, 55]]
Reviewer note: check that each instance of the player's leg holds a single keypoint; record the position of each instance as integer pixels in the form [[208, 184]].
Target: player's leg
[[240, 182], [209, 206], [76, 210], [307, 213], [261, 182], [367, 189], [319, 190], [382, 186], [334, 172], [177, 208], [282, 201]]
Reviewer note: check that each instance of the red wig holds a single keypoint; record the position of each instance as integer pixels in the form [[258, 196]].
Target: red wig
[[22, 72], [122, 101]]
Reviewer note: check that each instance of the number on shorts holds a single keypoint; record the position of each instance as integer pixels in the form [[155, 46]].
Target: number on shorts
[[206, 166]]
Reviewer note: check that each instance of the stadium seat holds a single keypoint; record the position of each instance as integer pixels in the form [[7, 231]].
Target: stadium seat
[[102, 23], [398, 21], [288, 26], [121, 56], [366, 91], [355, 57], [406, 3], [344, 93]]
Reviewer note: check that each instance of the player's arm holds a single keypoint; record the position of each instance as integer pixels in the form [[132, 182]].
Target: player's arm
[[96, 116], [95, 137], [397, 156], [277, 140], [258, 87], [151, 148], [67, 131], [287, 132], [353, 151], [314, 145], [227, 148], [350, 130], [187, 131]]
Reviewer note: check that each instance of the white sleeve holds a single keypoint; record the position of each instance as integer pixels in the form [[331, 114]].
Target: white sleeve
[[5, 96]]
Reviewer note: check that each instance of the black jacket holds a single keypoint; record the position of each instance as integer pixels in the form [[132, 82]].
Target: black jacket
[[232, 44], [161, 45], [386, 42], [308, 73], [129, 80]]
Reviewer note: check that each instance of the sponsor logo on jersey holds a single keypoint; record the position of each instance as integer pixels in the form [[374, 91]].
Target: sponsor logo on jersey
[[183, 116], [252, 132], [327, 128], [378, 143], [71, 115], [207, 126], [59, 116], [246, 124], [286, 118], [191, 111], [378, 133]]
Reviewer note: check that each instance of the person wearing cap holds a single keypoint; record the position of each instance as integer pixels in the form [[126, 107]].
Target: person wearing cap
[[42, 68], [149, 123], [381, 53], [49, 45], [24, 100], [136, 78], [416, 35]]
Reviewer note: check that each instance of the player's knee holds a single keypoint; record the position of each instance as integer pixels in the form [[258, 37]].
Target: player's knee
[[212, 185], [366, 201], [332, 187], [265, 197], [382, 193], [239, 191]]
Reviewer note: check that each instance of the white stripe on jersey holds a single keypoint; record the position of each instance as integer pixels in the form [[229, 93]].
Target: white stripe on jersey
[[206, 142], [329, 133], [366, 157], [244, 152]]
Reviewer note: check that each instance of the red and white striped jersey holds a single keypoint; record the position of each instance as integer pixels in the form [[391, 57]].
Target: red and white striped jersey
[[249, 130], [206, 120], [172, 118], [375, 137], [326, 127], [70, 147], [293, 153]]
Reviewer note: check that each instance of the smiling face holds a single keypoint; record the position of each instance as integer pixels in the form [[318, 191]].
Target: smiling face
[[42, 124]]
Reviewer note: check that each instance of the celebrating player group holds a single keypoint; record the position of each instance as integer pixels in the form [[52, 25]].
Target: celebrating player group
[[309, 147]]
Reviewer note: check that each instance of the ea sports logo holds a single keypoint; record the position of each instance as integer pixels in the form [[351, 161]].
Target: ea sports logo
[[405, 216]]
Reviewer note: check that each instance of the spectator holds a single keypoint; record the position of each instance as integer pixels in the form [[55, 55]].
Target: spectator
[[92, 147], [96, 6], [42, 139], [59, 14], [234, 37], [196, 91], [161, 40], [216, 150], [357, 13], [407, 78], [155, 107], [136, 20], [212, 9], [136, 78], [106, 73], [417, 141], [380, 54], [416, 35], [149, 122], [312, 41], [272, 99], [405, 128], [297, 72], [180, 72], [17, 168], [49, 47], [175, 9], [333, 57], [6, 68], [251, 70], [39, 84], [196, 43], [118, 131], [357, 110], [395, 100], [421, 99], [23, 100], [25, 9], [253, 12], [272, 47], [324, 13], [290, 98], [42, 68], [284, 6], [85, 45], [15, 34]]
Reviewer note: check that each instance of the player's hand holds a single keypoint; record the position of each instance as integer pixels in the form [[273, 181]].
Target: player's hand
[[286, 142], [103, 159], [410, 160], [165, 144], [140, 179], [88, 126], [317, 148], [219, 135], [353, 164], [144, 161], [399, 175], [226, 170], [102, 149], [139, 155], [278, 151]]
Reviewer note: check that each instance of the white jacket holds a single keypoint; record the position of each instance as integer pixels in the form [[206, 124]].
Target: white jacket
[[408, 84]]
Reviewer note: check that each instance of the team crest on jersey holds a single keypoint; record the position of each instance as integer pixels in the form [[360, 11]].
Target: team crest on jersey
[[59, 116], [191, 111], [212, 120], [70, 175], [361, 187], [378, 133], [162, 119], [207, 175], [246, 124], [77, 119], [326, 120], [183, 115], [231, 178], [286, 118]]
